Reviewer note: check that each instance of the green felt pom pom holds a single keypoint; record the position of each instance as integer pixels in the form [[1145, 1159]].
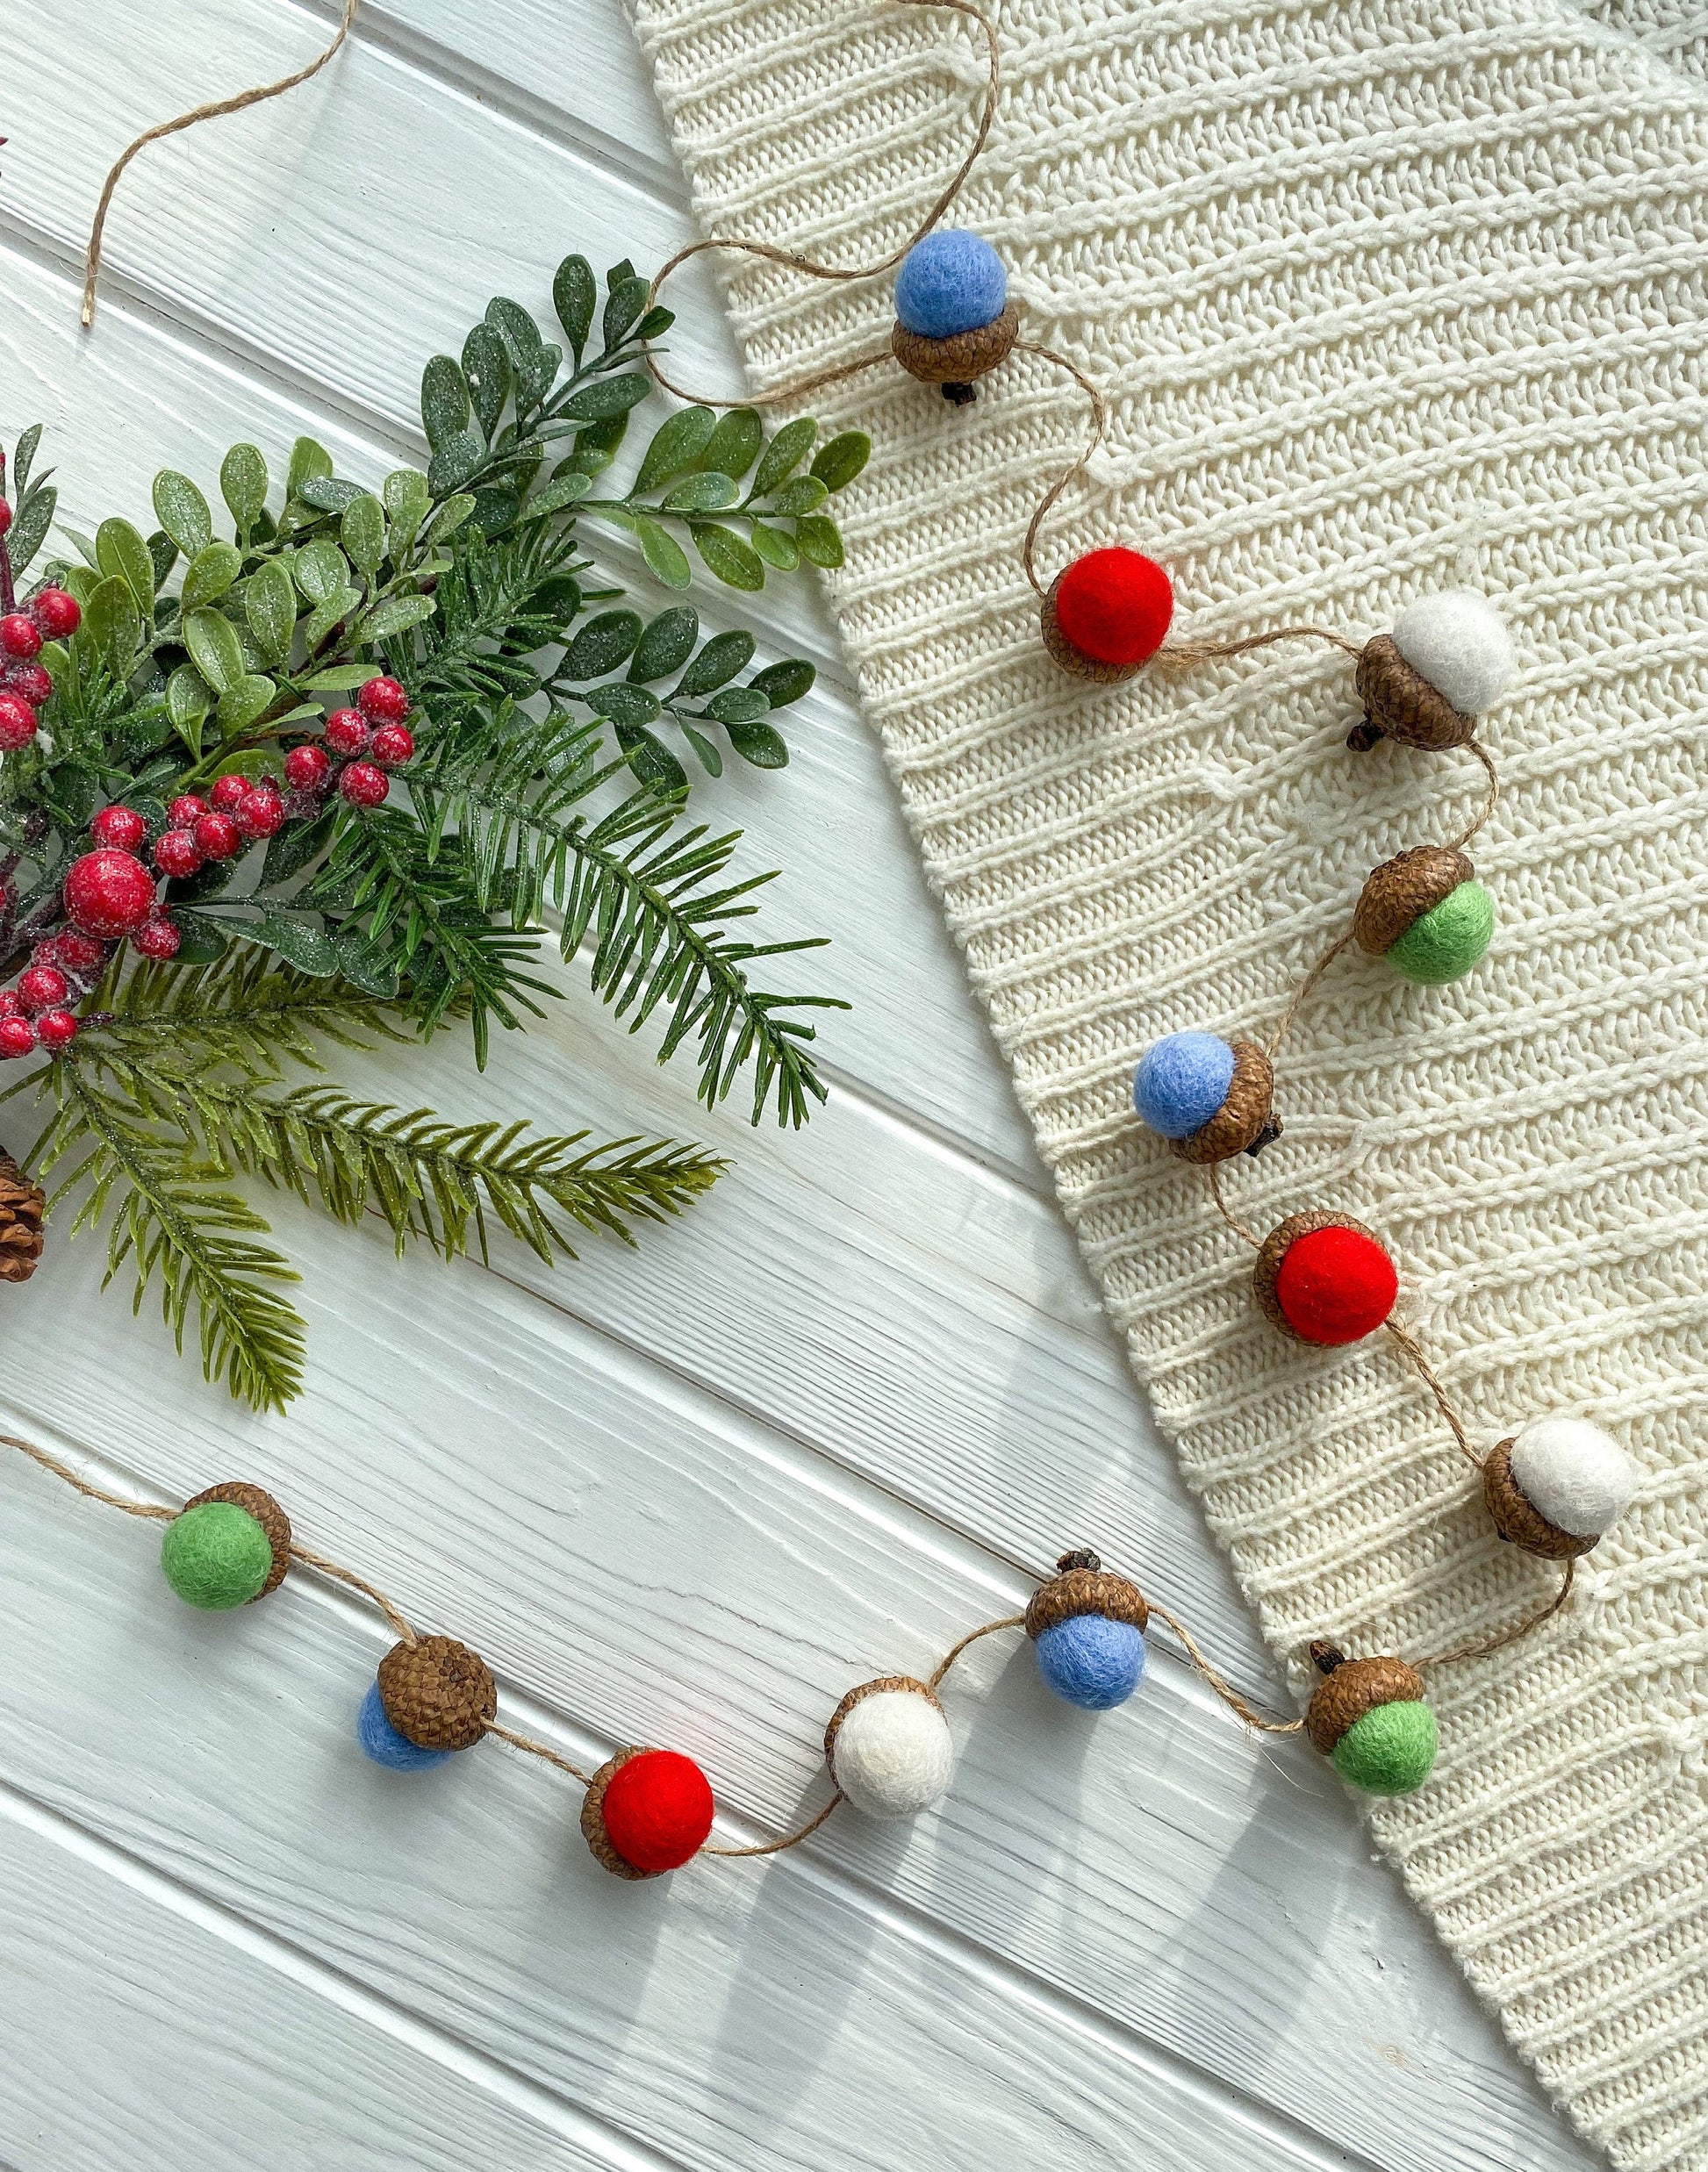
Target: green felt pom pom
[[1448, 941], [216, 1555], [1390, 1751]]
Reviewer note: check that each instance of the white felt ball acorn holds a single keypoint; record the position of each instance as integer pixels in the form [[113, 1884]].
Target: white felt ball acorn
[[1558, 1486], [1448, 660], [888, 1747]]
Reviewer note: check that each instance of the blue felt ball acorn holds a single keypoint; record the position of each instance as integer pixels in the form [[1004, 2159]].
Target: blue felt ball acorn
[[1210, 1098], [954, 320], [382, 1742], [1087, 1630]]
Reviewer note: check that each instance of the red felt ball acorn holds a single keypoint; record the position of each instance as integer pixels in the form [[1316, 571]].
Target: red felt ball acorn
[[1325, 1279], [1107, 614], [647, 1812]]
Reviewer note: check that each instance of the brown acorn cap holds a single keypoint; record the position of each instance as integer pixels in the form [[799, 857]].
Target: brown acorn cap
[[1401, 890], [438, 1693], [266, 1512], [1517, 1520], [1085, 1586], [1274, 1250], [1400, 702], [592, 1816], [961, 358], [1075, 659], [1354, 1687], [1242, 1115], [872, 1690]]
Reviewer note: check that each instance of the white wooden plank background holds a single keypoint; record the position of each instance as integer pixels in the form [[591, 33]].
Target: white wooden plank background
[[695, 1492]]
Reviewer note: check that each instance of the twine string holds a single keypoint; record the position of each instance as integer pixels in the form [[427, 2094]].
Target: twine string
[[1223, 1688], [1407, 1343], [1302, 994], [1484, 1646], [83, 1486], [396, 1621], [1491, 798], [789, 1839], [792, 260], [538, 1749], [986, 1629], [1239, 1228], [213, 111], [1099, 419], [1185, 655]]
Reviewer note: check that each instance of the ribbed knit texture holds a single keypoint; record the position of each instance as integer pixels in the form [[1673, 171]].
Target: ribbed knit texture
[[1384, 297]]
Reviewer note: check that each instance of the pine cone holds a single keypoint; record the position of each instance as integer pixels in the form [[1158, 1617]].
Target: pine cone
[[22, 1207]]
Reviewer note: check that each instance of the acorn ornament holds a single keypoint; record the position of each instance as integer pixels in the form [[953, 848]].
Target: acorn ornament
[[1558, 1486], [1108, 614], [431, 1698], [1087, 1632], [647, 1812], [1325, 1279], [228, 1547], [1210, 1098], [1425, 913], [954, 320], [1426, 684], [888, 1748], [1369, 1718]]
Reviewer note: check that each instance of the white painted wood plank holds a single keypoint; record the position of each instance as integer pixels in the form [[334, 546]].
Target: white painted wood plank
[[146, 2028], [750, 2015]]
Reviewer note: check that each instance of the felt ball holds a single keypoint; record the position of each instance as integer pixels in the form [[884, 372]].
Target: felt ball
[[1182, 1082], [1114, 607], [438, 1693], [1447, 940], [1335, 1285], [1573, 1473], [891, 1752], [1457, 642], [1390, 1751], [657, 1810], [216, 1555], [1092, 1661], [381, 1741], [949, 282]]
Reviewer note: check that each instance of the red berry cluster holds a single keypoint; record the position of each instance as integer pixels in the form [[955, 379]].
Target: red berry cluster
[[235, 813], [368, 741], [52, 614], [35, 1013]]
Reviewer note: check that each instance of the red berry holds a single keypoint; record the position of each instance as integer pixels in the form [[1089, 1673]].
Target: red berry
[[229, 793], [119, 826], [346, 733], [57, 612], [261, 814], [157, 939], [382, 701], [17, 1037], [656, 1810], [5, 516], [186, 811], [17, 723], [392, 744], [217, 836], [12, 1004], [43, 988], [176, 853], [1335, 1285], [54, 1029], [32, 682], [1114, 607], [19, 638], [308, 768], [108, 892], [363, 785], [80, 953]]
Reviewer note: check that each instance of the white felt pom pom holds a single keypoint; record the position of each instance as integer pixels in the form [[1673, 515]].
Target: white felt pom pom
[[893, 1756], [1458, 642], [1573, 1473]]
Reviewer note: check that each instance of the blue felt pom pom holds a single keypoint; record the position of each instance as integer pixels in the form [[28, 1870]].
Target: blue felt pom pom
[[1181, 1081], [948, 283], [1092, 1661], [384, 1745]]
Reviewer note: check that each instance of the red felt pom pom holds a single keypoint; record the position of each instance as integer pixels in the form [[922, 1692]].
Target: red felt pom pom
[[57, 612], [382, 701], [308, 768], [17, 723], [1114, 607], [109, 894], [657, 1810], [20, 638], [122, 827], [1336, 1285]]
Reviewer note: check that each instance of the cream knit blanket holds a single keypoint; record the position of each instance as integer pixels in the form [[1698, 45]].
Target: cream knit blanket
[[1385, 295]]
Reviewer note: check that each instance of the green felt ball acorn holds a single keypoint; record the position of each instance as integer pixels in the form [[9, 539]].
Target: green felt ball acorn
[[1370, 1719], [230, 1546], [1426, 914]]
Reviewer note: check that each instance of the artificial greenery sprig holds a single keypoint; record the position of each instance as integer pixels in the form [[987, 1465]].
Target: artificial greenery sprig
[[532, 801]]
